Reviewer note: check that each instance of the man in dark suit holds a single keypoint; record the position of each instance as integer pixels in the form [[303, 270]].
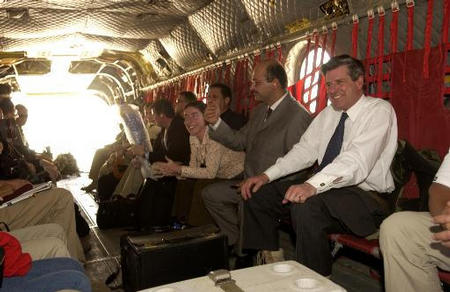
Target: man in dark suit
[[220, 94], [354, 141], [274, 126], [156, 199], [184, 98]]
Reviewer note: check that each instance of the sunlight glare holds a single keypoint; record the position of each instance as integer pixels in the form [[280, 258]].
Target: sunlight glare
[[79, 124]]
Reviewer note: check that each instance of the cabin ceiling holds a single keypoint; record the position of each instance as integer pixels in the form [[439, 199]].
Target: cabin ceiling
[[173, 35]]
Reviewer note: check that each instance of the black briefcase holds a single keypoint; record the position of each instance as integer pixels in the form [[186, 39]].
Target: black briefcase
[[161, 258]]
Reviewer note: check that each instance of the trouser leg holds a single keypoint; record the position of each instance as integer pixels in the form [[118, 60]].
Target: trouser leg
[[100, 157], [261, 216], [410, 255], [312, 222], [43, 241], [51, 206], [155, 202], [222, 203]]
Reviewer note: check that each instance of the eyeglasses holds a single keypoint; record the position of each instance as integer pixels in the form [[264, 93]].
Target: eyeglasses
[[192, 116], [258, 82]]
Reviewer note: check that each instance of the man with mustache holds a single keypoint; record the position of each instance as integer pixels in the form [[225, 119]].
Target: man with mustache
[[274, 126]]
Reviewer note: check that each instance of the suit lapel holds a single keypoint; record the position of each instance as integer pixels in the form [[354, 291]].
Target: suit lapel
[[274, 117]]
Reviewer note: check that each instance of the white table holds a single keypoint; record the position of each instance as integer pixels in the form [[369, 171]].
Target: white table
[[283, 276]]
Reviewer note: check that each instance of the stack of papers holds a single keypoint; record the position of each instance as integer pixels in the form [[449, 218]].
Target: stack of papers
[[36, 189]]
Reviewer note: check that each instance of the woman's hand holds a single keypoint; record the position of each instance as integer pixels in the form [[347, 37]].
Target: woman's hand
[[169, 168]]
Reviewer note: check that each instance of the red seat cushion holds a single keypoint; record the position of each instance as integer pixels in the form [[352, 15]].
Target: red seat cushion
[[372, 247]]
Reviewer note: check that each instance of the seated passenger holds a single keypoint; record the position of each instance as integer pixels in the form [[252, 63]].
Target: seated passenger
[[275, 125], [21, 120], [209, 160], [16, 156], [113, 170], [20, 273], [416, 244], [100, 157], [50, 206], [182, 100], [156, 199], [132, 179], [152, 128], [354, 141], [220, 95]]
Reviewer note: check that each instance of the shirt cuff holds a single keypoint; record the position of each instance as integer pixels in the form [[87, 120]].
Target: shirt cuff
[[272, 173], [322, 182], [216, 125], [183, 171]]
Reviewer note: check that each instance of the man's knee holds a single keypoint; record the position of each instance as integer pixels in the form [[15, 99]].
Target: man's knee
[[59, 195], [390, 227], [209, 193], [56, 230]]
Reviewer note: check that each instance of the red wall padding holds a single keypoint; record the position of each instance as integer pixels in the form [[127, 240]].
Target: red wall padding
[[422, 118]]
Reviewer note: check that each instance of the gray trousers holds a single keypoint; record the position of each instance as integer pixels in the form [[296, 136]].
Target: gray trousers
[[225, 206], [410, 255]]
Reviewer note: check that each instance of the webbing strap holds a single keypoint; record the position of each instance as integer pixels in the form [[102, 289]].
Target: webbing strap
[[394, 31], [410, 33], [427, 40], [280, 54], [270, 53], [314, 69], [321, 100], [333, 39], [445, 21], [369, 36], [227, 74], [380, 53], [256, 60], [308, 45], [355, 36]]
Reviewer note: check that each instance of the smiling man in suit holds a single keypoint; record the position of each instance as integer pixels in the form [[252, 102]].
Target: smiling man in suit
[[275, 125]]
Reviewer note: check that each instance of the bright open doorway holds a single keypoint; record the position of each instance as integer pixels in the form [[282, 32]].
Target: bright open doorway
[[74, 123]]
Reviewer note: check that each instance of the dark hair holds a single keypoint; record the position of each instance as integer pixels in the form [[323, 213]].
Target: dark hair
[[355, 66], [6, 105], [198, 105], [224, 89], [163, 106], [189, 96], [274, 70], [5, 89]]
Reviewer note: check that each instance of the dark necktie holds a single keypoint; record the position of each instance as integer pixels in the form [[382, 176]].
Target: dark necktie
[[335, 144], [268, 113]]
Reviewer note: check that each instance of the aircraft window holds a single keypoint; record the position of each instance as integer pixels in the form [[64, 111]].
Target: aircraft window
[[310, 72]]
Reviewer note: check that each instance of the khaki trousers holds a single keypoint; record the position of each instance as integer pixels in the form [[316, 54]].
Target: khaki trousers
[[42, 241], [51, 206], [410, 254]]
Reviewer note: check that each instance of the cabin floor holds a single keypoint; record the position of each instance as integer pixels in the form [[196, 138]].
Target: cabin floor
[[103, 258]]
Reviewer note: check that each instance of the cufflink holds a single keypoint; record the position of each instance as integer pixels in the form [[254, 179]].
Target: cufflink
[[322, 184]]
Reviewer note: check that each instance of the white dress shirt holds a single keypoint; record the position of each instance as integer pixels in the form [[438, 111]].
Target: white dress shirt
[[370, 142], [443, 174]]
